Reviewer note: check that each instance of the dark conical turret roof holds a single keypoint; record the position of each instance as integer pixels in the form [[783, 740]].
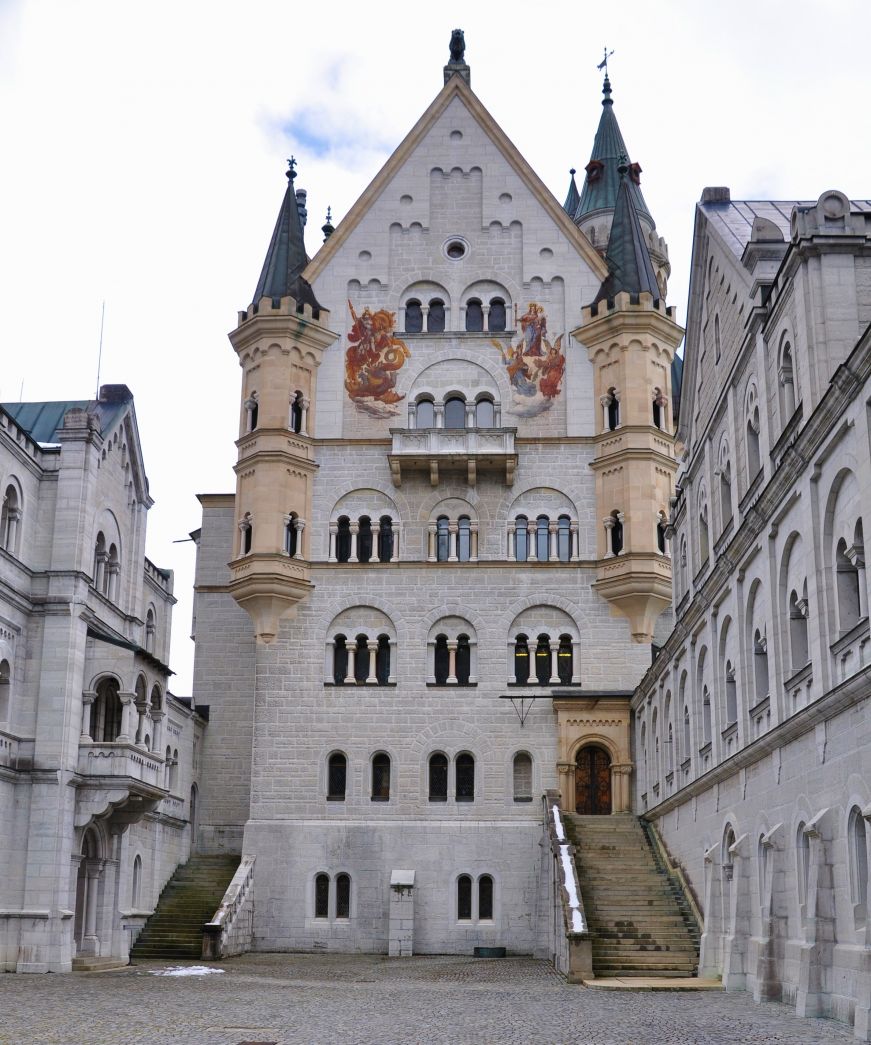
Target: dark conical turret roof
[[609, 151], [286, 258], [627, 257], [573, 198]]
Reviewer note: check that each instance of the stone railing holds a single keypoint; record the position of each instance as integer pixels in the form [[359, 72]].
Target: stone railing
[[473, 449], [15, 753], [121, 760], [573, 947], [231, 930]]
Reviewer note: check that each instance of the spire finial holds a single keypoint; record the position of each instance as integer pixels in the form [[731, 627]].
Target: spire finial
[[572, 171], [291, 168], [606, 86], [327, 228]]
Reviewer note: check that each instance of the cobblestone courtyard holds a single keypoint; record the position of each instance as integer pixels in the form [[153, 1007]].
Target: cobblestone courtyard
[[331, 998]]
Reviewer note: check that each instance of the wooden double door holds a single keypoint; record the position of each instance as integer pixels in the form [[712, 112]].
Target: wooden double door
[[593, 781]]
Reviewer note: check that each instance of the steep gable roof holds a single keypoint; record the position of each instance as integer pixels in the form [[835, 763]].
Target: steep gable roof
[[456, 87], [629, 266]]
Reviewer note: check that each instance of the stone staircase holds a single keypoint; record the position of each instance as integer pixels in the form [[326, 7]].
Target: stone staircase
[[189, 899], [640, 922]]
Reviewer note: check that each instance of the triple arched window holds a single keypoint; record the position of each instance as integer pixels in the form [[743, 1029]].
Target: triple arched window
[[365, 539], [542, 539], [10, 519], [453, 540], [361, 660], [544, 661], [105, 725], [455, 411]]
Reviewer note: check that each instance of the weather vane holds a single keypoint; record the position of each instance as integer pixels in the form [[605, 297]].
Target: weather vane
[[604, 63], [291, 165]]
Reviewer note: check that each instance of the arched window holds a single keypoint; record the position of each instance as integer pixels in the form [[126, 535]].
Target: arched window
[[149, 631], [542, 659], [485, 898], [100, 559], [731, 695], [5, 686], [463, 660], [661, 527], [497, 315], [173, 775], [442, 660], [291, 536], [798, 640], [521, 538], [858, 855], [381, 778], [802, 862], [364, 539], [847, 579], [343, 539], [296, 412], [464, 898], [322, 896], [113, 569], [385, 539], [343, 896], [616, 532], [361, 659], [413, 317], [247, 533], [612, 409], [564, 538], [464, 538], [687, 746], [455, 412], [522, 777], [542, 537], [706, 715], [485, 413], [435, 320], [438, 778], [424, 415], [382, 660], [474, 315], [464, 769], [725, 490], [760, 664], [136, 897], [168, 768], [252, 409], [754, 459], [10, 518], [340, 659], [704, 541], [521, 659], [337, 777], [658, 405], [106, 712], [786, 376], [564, 660], [443, 538]]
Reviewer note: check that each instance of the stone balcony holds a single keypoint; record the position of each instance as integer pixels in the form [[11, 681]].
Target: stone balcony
[[119, 781], [441, 450]]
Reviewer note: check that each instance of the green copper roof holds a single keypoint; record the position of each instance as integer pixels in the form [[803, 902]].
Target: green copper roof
[[573, 198], [286, 258], [627, 257], [609, 150], [42, 421]]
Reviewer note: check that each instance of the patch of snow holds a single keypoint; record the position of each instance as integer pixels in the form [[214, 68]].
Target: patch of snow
[[558, 823], [569, 880], [185, 970]]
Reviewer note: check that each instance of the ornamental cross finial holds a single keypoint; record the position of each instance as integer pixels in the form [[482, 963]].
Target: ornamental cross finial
[[604, 63], [291, 168]]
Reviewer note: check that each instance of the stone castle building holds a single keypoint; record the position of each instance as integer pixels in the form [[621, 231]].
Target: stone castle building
[[97, 758]]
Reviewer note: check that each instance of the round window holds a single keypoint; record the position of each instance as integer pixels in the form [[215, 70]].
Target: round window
[[456, 249]]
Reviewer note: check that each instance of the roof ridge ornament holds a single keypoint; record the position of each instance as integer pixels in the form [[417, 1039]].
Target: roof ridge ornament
[[457, 66]]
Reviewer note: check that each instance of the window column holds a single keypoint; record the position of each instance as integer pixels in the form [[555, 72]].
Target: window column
[[855, 554], [303, 424], [452, 539], [157, 721], [452, 662], [334, 527], [127, 703], [531, 549], [575, 552], [88, 698], [439, 411], [609, 526], [576, 662], [486, 310], [511, 538], [299, 526], [431, 543], [354, 527], [552, 529], [470, 413], [372, 646], [473, 527], [350, 677], [512, 662], [554, 679], [396, 531], [391, 678]]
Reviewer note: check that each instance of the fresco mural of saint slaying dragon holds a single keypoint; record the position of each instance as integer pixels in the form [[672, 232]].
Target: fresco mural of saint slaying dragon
[[535, 366], [372, 361]]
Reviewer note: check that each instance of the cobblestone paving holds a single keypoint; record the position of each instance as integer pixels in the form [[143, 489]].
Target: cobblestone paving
[[312, 999]]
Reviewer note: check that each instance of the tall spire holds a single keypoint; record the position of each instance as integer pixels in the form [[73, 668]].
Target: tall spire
[[573, 198], [286, 258], [603, 181], [629, 266]]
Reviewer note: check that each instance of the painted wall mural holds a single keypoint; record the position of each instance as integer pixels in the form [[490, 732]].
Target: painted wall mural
[[535, 366], [372, 361]]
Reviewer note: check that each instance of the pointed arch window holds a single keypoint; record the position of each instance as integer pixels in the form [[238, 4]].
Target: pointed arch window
[[786, 376], [754, 459], [136, 894], [435, 320], [858, 854], [413, 317], [438, 777], [704, 540]]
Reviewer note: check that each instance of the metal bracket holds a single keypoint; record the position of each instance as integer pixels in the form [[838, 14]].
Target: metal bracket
[[522, 705]]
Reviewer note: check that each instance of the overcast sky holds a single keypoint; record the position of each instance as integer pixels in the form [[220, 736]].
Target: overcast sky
[[144, 152]]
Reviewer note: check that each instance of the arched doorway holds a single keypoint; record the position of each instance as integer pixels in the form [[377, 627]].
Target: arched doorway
[[87, 895], [593, 781]]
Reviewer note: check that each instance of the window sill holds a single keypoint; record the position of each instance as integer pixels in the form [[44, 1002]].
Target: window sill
[[359, 685], [438, 800], [730, 731], [846, 638], [463, 801], [544, 685], [451, 685], [748, 498], [335, 798], [519, 801], [703, 569], [760, 708], [706, 750], [686, 765], [799, 676], [376, 799]]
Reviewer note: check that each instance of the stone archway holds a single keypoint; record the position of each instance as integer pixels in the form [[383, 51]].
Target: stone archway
[[88, 877], [593, 781]]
